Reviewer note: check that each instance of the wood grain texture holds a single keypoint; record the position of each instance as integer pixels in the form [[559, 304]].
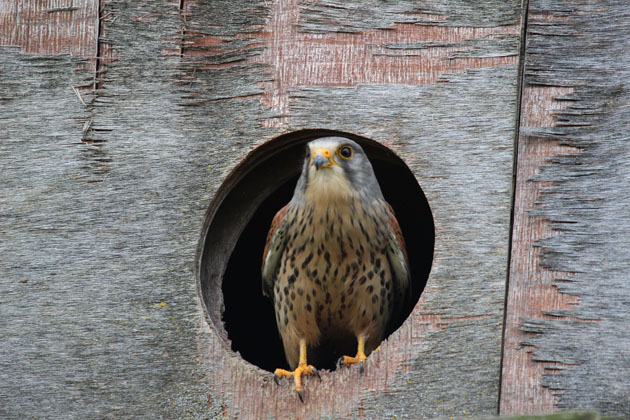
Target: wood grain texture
[[531, 291], [49, 325], [303, 51], [566, 342], [99, 303], [330, 79], [51, 26], [98, 308]]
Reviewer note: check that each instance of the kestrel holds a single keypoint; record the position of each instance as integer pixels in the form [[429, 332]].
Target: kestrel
[[335, 263]]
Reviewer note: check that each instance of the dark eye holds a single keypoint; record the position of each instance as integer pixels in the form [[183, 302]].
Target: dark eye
[[345, 152]]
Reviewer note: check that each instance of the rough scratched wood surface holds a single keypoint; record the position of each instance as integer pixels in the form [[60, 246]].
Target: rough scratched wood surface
[[104, 194], [290, 66], [96, 234], [50, 26], [567, 342]]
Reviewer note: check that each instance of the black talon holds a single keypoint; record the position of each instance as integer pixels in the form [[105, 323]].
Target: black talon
[[317, 373], [300, 396], [276, 380], [339, 362], [361, 368]]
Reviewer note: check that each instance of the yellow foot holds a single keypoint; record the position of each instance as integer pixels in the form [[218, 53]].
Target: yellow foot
[[349, 360], [359, 358], [302, 370]]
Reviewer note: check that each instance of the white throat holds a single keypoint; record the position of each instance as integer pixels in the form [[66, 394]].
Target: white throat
[[328, 186]]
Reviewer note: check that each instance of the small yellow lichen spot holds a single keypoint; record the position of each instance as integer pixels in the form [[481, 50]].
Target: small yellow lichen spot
[[162, 304]]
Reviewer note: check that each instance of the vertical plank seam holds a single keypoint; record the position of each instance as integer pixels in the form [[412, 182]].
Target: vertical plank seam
[[97, 59], [517, 123], [182, 32]]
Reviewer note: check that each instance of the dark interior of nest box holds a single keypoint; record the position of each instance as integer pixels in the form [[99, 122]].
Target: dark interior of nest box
[[235, 231]]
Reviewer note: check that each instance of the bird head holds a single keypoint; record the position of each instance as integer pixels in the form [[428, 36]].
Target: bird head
[[336, 168]]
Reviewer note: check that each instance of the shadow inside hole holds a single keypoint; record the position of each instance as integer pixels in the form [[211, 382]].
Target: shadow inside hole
[[248, 316]]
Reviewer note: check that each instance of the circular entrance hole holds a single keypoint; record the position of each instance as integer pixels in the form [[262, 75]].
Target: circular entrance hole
[[235, 230]]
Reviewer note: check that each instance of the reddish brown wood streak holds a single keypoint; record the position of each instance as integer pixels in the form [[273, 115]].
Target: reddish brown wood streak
[[531, 293], [200, 44], [45, 28], [300, 59], [342, 59]]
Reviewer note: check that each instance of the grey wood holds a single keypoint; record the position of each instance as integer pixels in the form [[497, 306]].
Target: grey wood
[[100, 310], [457, 137], [95, 237], [583, 47]]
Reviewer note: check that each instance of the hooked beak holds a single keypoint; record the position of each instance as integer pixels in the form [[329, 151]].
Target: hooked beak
[[321, 158]]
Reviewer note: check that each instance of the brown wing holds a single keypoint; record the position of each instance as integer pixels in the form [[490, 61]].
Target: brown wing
[[398, 259], [273, 250], [396, 230]]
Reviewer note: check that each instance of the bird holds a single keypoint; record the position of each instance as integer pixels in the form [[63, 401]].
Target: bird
[[335, 263]]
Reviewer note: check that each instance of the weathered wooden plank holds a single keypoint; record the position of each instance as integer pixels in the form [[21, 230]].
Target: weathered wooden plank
[[99, 303], [315, 65], [531, 290], [37, 305], [566, 341], [395, 45], [98, 308], [51, 26], [45, 244]]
